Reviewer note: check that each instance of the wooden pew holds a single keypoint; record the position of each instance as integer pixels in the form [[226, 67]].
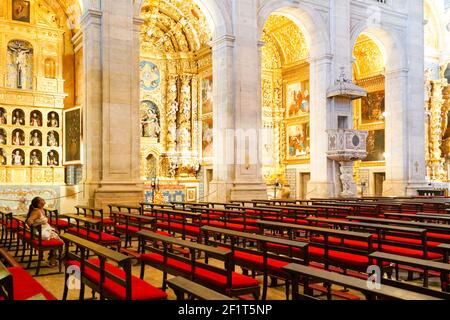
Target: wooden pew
[[55, 221], [147, 207], [223, 280], [91, 229], [228, 219], [32, 237], [9, 229], [102, 276], [260, 257], [95, 213], [130, 224], [426, 265], [16, 283], [331, 278], [182, 286], [128, 208], [186, 224], [324, 251], [420, 217]]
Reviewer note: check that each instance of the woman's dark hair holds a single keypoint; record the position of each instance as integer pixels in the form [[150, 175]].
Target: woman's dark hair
[[34, 205]]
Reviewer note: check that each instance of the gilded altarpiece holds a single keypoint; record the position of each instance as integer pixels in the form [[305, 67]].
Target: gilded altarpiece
[[34, 50], [285, 98], [176, 87]]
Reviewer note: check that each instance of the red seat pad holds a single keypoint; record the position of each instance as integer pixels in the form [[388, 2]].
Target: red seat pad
[[106, 221], [385, 248], [94, 236], [438, 235], [26, 287], [44, 243], [276, 246], [13, 223], [409, 240], [301, 221], [179, 227], [140, 290], [230, 226], [272, 264], [131, 229], [215, 279], [346, 258], [246, 220], [60, 223]]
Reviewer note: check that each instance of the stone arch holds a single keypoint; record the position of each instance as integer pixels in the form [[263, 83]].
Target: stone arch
[[305, 17], [215, 12], [390, 44]]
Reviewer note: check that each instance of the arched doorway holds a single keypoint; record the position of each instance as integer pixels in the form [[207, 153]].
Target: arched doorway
[[286, 103], [370, 113]]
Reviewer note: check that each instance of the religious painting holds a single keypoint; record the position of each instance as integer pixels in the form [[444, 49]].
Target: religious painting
[[149, 75], [207, 95], [21, 10], [372, 107], [297, 99], [72, 137], [298, 140], [150, 120], [207, 138], [375, 146]]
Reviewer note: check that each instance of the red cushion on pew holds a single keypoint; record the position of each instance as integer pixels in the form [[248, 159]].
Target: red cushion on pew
[[272, 264], [94, 235], [60, 223], [140, 290], [218, 280], [13, 223], [341, 257], [179, 227], [411, 241], [131, 229], [231, 226], [44, 243], [438, 235], [276, 246], [26, 287], [106, 221], [415, 253]]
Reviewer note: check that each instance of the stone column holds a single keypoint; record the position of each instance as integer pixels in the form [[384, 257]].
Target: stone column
[[91, 23], [416, 165], [112, 100], [396, 151]]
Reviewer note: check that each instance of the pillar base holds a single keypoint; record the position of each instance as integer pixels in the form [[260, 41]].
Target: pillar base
[[393, 188], [222, 191], [131, 194], [320, 190]]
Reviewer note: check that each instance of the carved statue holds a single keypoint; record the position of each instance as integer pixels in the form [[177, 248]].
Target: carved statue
[[53, 120], [17, 159], [18, 139], [20, 51], [18, 118], [51, 140], [35, 120], [52, 159], [35, 140], [34, 159]]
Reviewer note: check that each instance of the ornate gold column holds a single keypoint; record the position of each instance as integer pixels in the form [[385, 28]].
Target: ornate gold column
[[436, 162], [172, 111], [185, 115]]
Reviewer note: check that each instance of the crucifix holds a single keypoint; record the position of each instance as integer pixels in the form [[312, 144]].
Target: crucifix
[[20, 51]]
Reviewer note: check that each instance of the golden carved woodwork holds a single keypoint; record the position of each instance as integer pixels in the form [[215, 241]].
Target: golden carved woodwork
[[175, 37], [369, 60], [49, 33]]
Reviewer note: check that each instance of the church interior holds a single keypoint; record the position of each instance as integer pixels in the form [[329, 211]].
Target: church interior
[[224, 150]]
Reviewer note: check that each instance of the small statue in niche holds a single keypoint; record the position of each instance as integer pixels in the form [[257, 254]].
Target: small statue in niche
[[2, 157], [18, 139], [2, 137], [51, 139], [17, 159], [52, 159], [35, 140], [53, 120], [34, 159], [3, 117], [35, 120], [18, 118]]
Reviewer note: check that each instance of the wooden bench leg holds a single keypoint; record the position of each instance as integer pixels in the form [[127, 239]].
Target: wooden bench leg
[[40, 258], [66, 288], [30, 257], [24, 247], [82, 288], [142, 271]]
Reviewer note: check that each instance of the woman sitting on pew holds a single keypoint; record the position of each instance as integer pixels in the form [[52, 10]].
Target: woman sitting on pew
[[36, 217]]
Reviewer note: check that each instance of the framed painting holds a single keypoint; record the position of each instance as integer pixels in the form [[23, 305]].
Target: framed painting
[[207, 138], [149, 75], [375, 146], [297, 99], [21, 10], [298, 141], [207, 94], [72, 137], [372, 108]]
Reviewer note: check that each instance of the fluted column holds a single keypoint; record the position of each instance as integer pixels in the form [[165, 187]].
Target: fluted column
[[172, 112]]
